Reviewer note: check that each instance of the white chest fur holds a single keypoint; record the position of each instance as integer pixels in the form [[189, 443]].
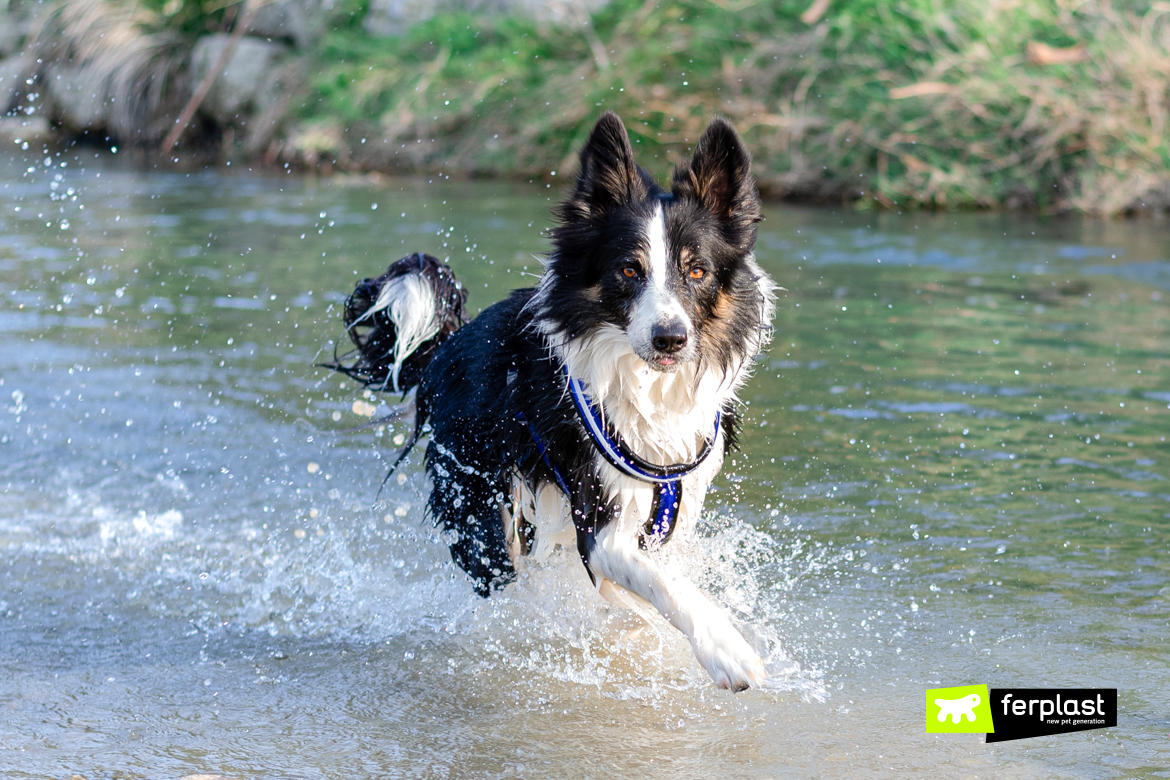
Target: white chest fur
[[663, 417]]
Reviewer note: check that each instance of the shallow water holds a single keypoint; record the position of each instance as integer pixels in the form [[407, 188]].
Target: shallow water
[[954, 471]]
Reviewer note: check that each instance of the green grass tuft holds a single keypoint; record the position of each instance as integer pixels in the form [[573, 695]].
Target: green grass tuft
[[915, 103]]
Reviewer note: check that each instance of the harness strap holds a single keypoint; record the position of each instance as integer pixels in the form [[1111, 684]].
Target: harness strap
[[662, 515], [584, 538], [543, 450], [667, 498], [615, 451]]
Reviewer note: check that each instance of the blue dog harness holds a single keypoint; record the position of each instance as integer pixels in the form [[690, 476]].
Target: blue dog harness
[[668, 478]]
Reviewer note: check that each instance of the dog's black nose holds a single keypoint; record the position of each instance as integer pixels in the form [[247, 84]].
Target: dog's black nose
[[670, 337]]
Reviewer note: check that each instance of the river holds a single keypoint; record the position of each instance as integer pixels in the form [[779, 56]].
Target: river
[[954, 471]]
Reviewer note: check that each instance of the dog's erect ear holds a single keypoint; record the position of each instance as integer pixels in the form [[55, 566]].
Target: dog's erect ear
[[719, 176], [609, 176]]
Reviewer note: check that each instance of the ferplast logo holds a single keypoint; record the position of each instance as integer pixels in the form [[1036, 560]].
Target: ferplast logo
[[962, 710], [1022, 713], [1005, 714]]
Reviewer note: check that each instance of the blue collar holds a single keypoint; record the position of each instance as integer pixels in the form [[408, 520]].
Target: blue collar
[[615, 451], [667, 497]]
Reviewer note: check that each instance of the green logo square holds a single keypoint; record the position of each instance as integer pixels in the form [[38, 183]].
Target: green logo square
[[962, 710]]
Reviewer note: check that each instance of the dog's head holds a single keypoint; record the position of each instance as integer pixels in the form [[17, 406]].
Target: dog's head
[[672, 269]]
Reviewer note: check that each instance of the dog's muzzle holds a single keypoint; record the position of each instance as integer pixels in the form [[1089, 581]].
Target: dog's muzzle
[[669, 341]]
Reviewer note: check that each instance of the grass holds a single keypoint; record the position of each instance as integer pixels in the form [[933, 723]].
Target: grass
[[1052, 105], [914, 103], [118, 51]]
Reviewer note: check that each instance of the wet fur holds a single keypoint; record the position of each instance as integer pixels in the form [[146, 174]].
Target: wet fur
[[497, 384]]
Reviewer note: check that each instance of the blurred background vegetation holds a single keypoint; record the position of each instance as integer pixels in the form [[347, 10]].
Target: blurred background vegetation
[[1051, 105]]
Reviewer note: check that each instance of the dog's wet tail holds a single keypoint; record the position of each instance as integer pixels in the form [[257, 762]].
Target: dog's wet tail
[[398, 321]]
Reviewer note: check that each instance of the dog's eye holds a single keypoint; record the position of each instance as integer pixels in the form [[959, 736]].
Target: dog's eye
[[698, 273], [629, 272]]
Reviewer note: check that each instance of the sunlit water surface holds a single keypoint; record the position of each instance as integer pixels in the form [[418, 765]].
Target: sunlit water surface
[[954, 471]]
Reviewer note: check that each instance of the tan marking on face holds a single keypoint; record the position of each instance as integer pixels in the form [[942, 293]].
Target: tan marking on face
[[719, 324]]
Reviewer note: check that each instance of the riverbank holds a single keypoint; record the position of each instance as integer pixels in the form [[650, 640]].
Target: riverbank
[[949, 105]]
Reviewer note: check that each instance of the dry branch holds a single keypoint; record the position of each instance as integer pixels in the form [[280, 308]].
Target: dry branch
[[244, 22]]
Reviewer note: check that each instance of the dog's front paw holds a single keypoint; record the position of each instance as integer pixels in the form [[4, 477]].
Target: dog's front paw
[[727, 657]]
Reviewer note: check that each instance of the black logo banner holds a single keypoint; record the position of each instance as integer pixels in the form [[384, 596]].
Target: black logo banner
[[1020, 713]]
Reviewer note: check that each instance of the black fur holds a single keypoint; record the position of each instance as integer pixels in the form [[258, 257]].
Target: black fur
[[374, 336], [489, 374], [711, 213], [480, 383]]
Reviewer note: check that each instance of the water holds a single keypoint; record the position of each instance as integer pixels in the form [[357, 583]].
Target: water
[[954, 471]]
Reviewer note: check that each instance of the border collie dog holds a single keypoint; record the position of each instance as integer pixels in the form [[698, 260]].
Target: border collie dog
[[593, 411]]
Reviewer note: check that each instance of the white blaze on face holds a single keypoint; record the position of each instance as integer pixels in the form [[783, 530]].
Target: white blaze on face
[[655, 304], [656, 238]]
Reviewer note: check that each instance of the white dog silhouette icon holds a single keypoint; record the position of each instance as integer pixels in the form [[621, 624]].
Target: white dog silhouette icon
[[958, 708]]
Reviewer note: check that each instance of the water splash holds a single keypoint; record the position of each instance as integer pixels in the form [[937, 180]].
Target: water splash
[[378, 582]]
